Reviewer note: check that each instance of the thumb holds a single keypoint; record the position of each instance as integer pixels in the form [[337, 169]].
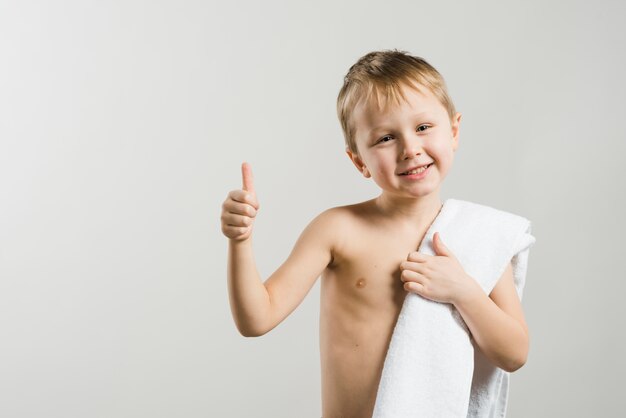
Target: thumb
[[246, 174], [440, 249]]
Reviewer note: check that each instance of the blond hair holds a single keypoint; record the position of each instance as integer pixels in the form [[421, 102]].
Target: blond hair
[[382, 74]]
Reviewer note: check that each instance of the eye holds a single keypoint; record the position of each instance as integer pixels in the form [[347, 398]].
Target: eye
[[384, 137], [422, 126]]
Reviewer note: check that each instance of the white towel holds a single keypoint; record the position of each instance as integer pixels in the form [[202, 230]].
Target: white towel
[[433, 367]]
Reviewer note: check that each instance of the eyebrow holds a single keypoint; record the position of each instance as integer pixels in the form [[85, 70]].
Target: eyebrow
[[426, 113]]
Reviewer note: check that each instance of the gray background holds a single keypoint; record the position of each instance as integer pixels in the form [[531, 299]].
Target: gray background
[[123, 127]]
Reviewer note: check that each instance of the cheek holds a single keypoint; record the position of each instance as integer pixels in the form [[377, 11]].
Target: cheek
[[384, 168], [444, 153], [379, 165]]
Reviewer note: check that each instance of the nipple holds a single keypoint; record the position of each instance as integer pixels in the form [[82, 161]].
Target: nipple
[[361, 283]]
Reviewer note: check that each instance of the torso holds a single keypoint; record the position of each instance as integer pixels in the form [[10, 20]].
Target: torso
[[361, 297]]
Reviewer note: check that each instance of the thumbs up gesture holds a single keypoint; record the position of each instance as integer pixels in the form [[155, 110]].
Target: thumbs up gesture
[[240, 208]]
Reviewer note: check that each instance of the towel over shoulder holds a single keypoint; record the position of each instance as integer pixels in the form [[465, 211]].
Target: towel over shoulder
[[433, 368]]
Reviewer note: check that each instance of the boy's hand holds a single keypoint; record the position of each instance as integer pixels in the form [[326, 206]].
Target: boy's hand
[[440, 277], [240, 208]]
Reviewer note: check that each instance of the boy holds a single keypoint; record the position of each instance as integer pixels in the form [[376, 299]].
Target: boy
[[402, 130]]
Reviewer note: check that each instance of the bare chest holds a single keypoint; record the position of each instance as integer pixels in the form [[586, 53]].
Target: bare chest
[[361, 298], [365, 277]]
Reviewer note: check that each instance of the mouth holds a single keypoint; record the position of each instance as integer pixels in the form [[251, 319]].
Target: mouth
[[417, 170]]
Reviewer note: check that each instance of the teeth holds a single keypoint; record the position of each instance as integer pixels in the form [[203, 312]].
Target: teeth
[[419, 170]]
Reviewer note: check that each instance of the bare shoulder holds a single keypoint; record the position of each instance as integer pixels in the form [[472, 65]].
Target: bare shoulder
[[505, 296], [331, 221], [350, 213], [341, 224], [353, 210], [329, 229]]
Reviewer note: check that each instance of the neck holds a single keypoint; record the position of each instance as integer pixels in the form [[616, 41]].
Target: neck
[[409, 210]]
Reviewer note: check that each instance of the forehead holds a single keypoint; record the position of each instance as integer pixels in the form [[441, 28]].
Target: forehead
[[369, 114], [377, 108]]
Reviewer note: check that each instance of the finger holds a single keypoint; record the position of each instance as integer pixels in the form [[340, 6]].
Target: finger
[[244, 197], [439, 246], [417, 256], [411, 276], [232, 219], [411, 265], [234, 230], [246, 174], [239, 209], [414, 287]]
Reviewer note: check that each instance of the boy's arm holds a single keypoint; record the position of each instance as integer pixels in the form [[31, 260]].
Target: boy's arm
[[258, 307], [497, 323]]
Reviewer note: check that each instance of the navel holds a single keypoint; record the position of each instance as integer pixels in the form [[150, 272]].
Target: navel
[[360, 283]]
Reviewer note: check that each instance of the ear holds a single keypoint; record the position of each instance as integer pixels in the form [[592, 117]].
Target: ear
[[455, 131], [358, 163]]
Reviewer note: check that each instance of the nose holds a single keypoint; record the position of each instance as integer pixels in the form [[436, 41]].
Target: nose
[[410, 147]]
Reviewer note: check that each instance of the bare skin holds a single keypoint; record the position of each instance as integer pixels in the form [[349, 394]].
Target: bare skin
[[358, 250], [367, 257], [361, 297]]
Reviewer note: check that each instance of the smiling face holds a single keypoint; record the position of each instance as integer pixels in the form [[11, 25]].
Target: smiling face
[[412, 134]]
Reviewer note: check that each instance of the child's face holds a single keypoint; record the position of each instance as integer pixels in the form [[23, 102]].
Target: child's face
[[405, 136]]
